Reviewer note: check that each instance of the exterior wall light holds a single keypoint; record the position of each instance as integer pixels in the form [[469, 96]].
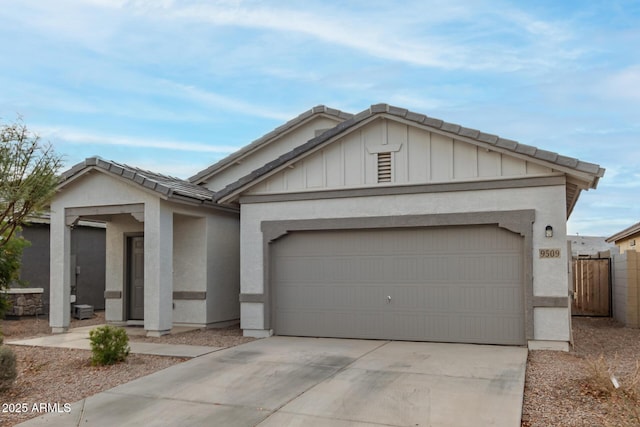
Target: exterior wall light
[[548, 231]]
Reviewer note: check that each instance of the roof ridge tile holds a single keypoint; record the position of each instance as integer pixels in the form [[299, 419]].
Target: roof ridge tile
[[506, 143], [450, 127], [469, 132], [526, 149], [379, 108], [488, 138]]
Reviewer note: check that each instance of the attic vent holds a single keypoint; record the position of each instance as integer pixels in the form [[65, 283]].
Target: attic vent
[[384, 167]]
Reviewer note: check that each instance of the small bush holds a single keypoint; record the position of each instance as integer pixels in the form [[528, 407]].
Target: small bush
[[624, 399], [109, 345], [8, 371], [600, 373]]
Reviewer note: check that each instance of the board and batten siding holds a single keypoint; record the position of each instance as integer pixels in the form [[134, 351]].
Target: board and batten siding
[[269, 151], [417, 157]]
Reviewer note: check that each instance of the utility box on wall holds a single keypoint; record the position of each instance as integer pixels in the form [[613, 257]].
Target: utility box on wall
[[82, 311]]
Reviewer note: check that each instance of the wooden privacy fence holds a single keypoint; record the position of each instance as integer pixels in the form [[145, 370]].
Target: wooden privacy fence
[[591, 287]]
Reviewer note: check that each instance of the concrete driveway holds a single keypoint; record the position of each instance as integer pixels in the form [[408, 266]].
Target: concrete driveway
[[286, 381]]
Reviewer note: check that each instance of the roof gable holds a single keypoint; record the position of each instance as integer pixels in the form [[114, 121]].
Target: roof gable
[[333, 115], [488, 148], [164, 186], [413, 156]]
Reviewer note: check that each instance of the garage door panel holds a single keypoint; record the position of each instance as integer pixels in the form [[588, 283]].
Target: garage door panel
[[455, 284]]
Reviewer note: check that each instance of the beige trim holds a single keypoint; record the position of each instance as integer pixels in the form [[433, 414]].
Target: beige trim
[[252, 298], [112, 294], [387, 190], [189, 295], [518, 221], [555, 302]]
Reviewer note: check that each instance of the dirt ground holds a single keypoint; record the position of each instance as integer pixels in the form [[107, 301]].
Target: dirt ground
[[60, 376], [560, 389]]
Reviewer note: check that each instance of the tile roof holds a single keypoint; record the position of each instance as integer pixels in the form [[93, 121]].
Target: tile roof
[[167, 186], [562, 162], [317, 110], [588, 245]]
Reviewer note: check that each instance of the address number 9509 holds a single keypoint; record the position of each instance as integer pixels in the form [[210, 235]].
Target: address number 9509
[[549, 253]]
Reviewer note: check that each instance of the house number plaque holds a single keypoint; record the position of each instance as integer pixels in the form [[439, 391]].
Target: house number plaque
[[549, 253]]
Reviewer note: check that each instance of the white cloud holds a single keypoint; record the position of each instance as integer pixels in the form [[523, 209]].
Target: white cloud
[[211, 99], [443, 40], [485, 35], [75, 136]]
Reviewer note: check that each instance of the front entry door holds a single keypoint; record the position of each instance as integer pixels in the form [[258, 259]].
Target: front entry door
[[135, 277]]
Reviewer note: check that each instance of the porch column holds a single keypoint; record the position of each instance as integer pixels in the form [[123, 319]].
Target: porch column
[[59, 272], [158, 269]]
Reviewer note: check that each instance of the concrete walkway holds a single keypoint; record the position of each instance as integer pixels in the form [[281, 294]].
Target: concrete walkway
[[79, 338], [287, 381]]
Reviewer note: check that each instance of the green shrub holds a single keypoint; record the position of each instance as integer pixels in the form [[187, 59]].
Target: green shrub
[[10, 262], [8, 371], [109, 345]]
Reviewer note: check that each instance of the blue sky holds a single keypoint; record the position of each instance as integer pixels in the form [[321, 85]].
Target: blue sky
[[173, 86]]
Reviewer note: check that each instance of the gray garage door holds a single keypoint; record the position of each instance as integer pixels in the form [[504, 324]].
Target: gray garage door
[[448, 284]]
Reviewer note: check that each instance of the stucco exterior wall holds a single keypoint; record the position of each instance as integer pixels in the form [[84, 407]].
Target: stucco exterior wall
[[273, 150], [631, 243], [117, 229], [620, 279], [223, 268], [92, 189], [189, 267], [626, 288], [550, 274]]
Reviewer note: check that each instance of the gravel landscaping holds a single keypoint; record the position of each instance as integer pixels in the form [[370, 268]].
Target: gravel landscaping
[[57, 375], [561, 389]]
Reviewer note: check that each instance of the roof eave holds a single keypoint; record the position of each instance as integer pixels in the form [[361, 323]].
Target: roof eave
[[289, 126], [629, 231]]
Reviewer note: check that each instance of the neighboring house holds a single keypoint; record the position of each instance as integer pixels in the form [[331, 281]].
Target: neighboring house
[[627, 239], [589, 246], [87, 261], [383, 225], [626, 276]]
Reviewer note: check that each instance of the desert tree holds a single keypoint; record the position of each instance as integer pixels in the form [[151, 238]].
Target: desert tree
[[28, 179]]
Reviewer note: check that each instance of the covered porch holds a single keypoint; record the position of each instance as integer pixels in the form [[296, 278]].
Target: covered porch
[[161, 248]]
